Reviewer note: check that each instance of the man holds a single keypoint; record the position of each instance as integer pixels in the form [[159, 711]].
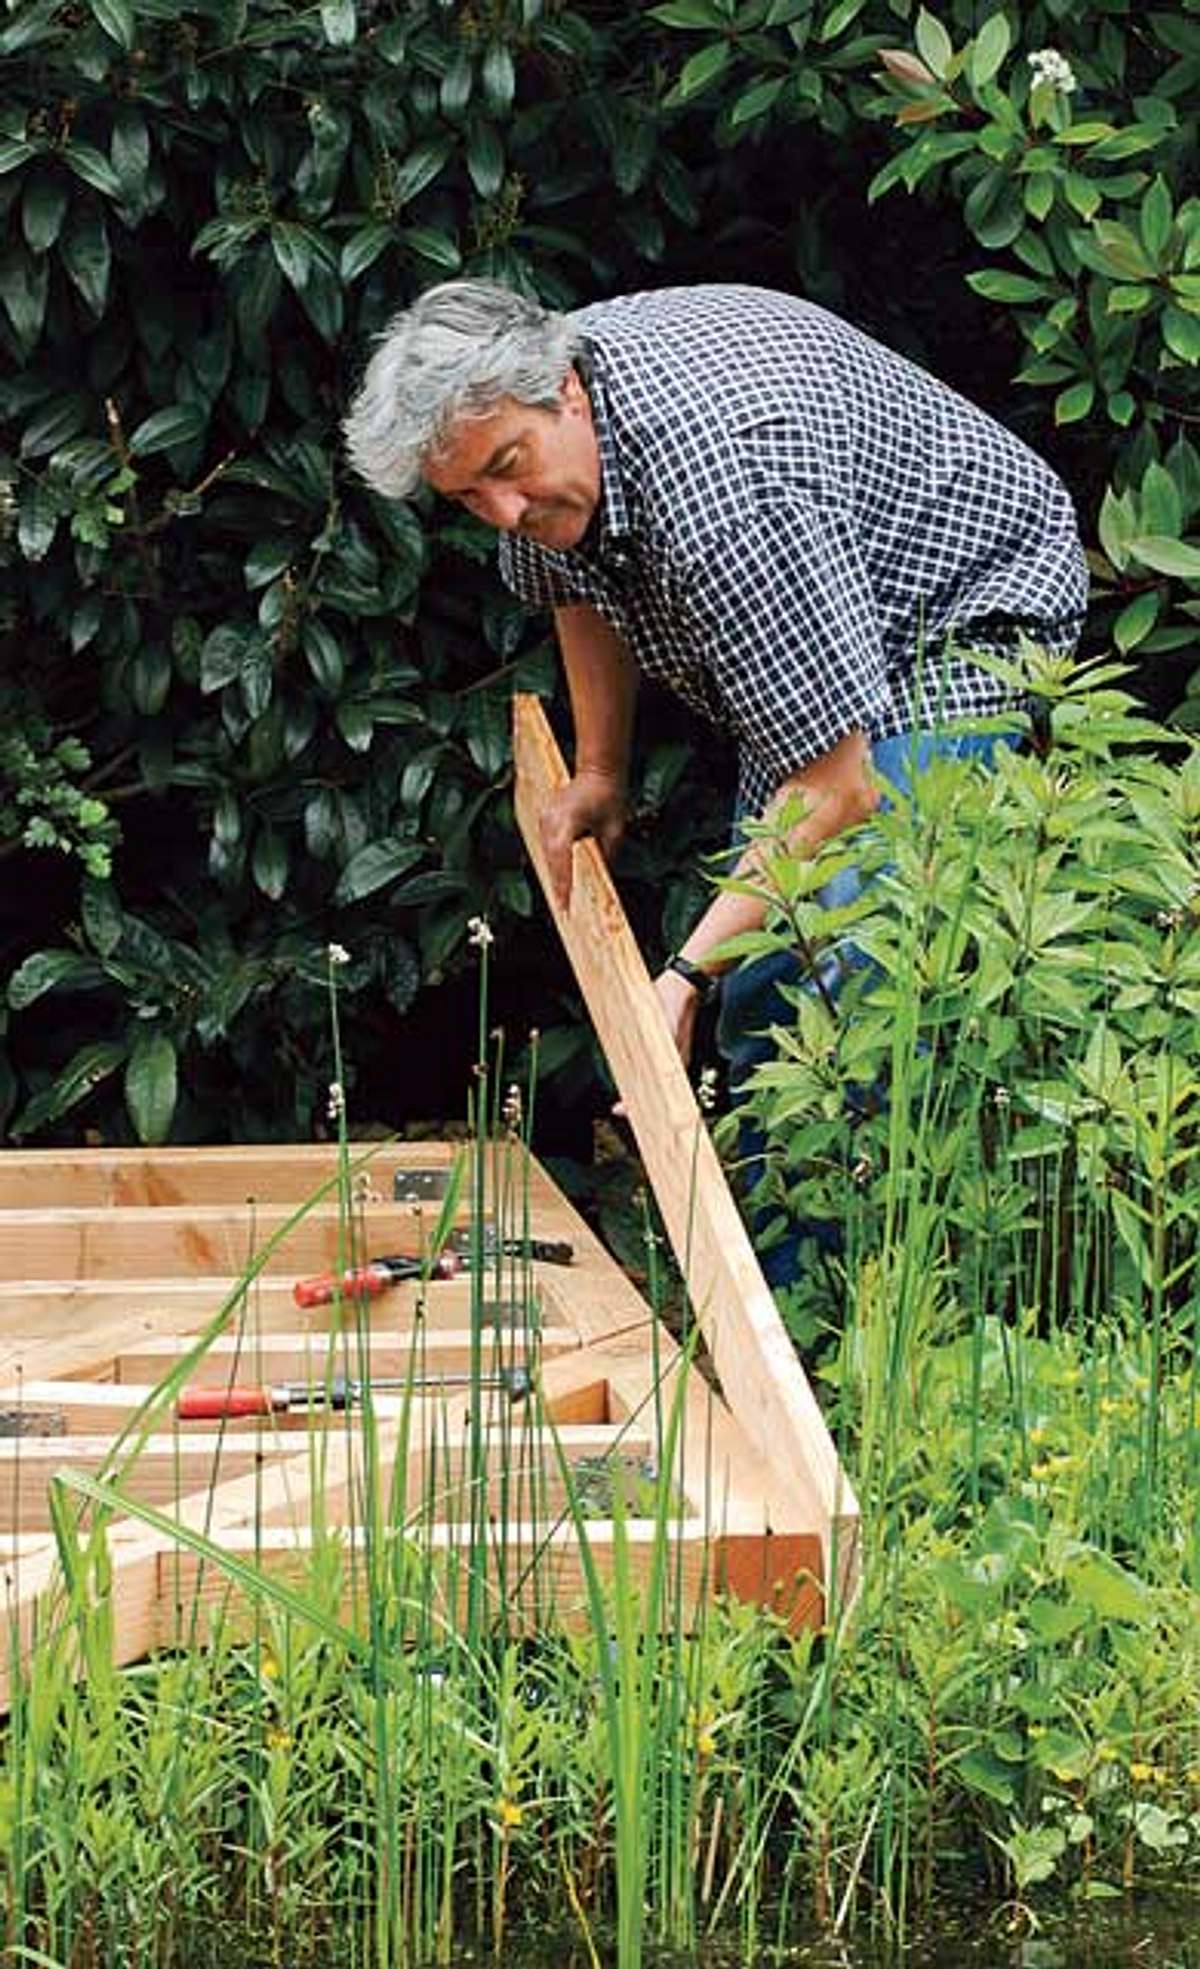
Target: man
[[748, 499]]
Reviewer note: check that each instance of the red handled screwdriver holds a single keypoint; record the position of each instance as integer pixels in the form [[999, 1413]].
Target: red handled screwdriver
[[380, 1274], [220, 1404]]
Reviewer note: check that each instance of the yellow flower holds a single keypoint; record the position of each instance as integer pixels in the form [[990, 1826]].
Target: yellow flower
[[508, 1813], [278, 1739], [1141, 1773], [706, 1743]]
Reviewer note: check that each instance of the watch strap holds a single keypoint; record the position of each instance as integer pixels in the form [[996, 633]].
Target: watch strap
[[703, 982]]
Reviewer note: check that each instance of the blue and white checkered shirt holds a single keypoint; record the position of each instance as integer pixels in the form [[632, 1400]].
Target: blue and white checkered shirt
[[790, 514]]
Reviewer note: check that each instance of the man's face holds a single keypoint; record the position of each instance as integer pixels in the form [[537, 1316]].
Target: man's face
[[524, 470]]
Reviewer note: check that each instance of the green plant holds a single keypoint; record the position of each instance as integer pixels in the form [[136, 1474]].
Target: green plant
[[1060, 138], [292, 697]]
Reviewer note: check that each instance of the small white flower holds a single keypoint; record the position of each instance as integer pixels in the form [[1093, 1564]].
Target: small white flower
[[512, 1110], [1002, 1097], [479, 932], [1169, 919], [1049, 66], [861, 1171], [338, 954], [336, 1105], [706, 1090]]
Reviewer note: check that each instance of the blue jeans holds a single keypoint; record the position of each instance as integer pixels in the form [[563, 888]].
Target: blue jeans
[[752, 1000]]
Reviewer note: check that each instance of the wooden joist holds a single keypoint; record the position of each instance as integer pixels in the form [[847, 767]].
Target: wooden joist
[[760, 1376]]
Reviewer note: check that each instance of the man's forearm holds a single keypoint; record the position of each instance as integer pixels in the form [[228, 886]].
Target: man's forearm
[[602, 684], [838, 793]]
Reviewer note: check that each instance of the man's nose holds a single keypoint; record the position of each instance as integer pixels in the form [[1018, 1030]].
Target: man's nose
[[504, 507]]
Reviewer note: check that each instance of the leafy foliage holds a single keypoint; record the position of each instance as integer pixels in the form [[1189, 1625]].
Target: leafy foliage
[[1067, 167], [294, 695]]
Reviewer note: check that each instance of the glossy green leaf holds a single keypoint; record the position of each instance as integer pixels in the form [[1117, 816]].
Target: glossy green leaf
[[269, 863], [756, 101], [1072, 404], [63, 418], [103, 918], [989, 49], [485, 158], [152, 1087], [339, 22], [51, 970], [178, 423], [1181, 333], [375, 867], [24, 284], [85, 253], [1136, 620], [221, 657], [429, 243], [689, 13], [999, 286], [364, 247], [1175, 557], [420, 168], [499, 78], [117, 20], [457, 84], [700, 70], [1129, 300], [37, 520], [87, 1070], [933, 43], [324, 656], [14, 153], [1161, 506], [839, 18], [44, 203], [1155, 220], [93, 167], [150, 678]]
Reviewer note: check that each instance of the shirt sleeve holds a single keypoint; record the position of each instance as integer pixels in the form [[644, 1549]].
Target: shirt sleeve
[[781, 612]]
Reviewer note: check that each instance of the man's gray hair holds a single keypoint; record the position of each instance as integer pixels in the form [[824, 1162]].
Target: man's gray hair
[[452, 355]]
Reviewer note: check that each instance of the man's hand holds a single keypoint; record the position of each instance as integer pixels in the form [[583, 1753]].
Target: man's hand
[[592, 804], [680, 1002]]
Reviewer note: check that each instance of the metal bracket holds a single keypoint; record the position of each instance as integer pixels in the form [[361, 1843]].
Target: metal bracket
[[420, 1185], [33, 1422]]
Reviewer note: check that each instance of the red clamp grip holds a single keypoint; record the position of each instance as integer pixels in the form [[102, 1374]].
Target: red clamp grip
[[215, 1404]]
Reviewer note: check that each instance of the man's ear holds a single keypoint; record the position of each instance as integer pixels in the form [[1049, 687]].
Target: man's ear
[[572, 393]]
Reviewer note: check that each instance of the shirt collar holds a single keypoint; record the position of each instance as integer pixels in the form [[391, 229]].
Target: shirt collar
[[613, 511]]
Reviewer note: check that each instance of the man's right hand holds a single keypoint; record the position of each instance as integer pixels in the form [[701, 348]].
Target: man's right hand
[[592, 804]]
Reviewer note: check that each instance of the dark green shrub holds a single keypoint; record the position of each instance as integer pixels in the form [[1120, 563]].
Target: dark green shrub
[[292, 696]]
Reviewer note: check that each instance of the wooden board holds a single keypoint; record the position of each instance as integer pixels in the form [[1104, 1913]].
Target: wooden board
[[128, 1292], [760, 1376]]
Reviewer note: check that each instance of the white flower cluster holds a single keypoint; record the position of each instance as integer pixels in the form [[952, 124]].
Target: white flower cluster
[[479, 932], [335, 1107], [338, 954], [1049, 66]]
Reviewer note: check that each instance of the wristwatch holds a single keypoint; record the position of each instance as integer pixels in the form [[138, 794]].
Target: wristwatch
[[703, 982]]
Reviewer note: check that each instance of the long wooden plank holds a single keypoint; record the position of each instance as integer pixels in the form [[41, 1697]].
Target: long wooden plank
[[265, 1172], [756, 1362]]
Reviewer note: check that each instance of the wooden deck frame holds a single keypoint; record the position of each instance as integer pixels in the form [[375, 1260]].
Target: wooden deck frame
[[82, 1379]]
